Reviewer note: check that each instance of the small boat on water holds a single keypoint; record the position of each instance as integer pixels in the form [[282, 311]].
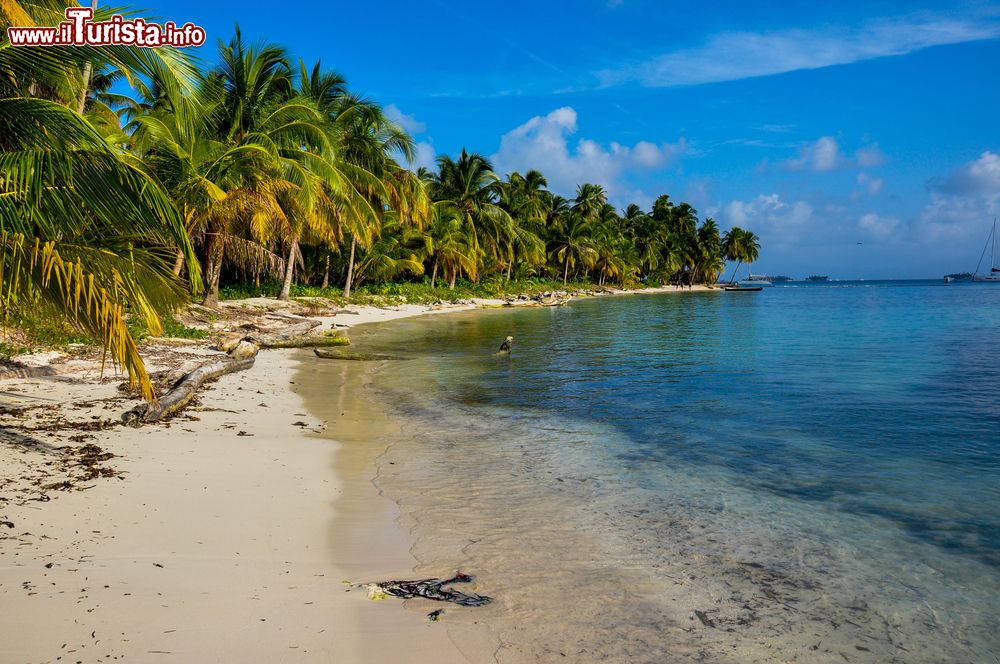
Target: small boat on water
[[742, 289], [993, 276], [757, 280]]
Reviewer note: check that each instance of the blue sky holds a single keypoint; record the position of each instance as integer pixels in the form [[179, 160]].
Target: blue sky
[[857, 139]]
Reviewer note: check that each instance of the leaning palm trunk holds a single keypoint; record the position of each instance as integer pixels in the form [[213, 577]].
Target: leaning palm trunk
[[286, 287], [566, 269], [350, 267], [434, 272], [326, 272], [738, 264]]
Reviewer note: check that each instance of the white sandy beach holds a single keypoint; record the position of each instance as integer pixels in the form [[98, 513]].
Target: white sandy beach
[[233, 533]]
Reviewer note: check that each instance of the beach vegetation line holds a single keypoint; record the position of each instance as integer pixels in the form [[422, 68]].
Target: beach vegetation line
[[254, 169]]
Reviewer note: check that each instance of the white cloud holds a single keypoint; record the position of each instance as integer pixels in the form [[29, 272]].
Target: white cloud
[[769, 217], [736, 55], [869, 156], [963, 203], [879, 227], [407, 122], [871, 184], [823, 155], [424, 155], [981, 177], [543, 143]]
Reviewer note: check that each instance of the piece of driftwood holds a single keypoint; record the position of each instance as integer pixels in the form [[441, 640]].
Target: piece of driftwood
[[505, 346], [242, 352], [184, 390], [428, 589], [284, 336], [330, 354], [330, 338]]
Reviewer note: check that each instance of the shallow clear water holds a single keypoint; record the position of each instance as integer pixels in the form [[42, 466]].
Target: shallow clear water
[[808, 473]]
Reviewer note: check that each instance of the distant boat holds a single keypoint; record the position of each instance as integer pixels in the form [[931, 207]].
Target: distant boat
[[818, 277], [993, 276], [757, 280], [742, 289]]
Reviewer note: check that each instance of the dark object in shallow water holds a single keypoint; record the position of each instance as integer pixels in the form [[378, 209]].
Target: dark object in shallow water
[[331, 354], [505, 346], [431, 589], [435, 615]]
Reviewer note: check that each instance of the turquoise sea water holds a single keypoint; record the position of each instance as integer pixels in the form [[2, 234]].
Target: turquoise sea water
[[812, 468]]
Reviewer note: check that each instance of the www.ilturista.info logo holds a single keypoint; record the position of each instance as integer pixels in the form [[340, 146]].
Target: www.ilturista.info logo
[[79, 30]]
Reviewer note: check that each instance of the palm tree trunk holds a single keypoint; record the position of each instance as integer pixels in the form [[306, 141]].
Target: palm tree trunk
[[350, 267], [326, 272], [213, 268], [434, 272], [451, 284], [178, 263], [566, 269], [510, 265], [740, 262], [286, 287], [87, 70]]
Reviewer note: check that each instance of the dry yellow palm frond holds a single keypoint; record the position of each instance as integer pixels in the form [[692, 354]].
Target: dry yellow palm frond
[[30, 267]]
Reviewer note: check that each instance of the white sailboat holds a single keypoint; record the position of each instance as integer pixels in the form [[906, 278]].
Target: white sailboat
[[993, 276], [757, 280]]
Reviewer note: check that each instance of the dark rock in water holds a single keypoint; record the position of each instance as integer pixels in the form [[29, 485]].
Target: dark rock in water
[[435, 615], [429, 589]]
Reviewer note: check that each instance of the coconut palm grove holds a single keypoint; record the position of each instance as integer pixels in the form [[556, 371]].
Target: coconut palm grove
[[134, 181]]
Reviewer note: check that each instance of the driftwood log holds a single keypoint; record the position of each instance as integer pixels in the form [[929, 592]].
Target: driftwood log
[[242, 352], [283, 336], [330, 338], [330, 354], [184, 390]]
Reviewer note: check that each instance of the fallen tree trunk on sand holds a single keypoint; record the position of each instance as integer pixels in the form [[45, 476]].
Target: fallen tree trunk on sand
[[184, 390], [330, 338], [329, 354], [273, 339], [242, 352]]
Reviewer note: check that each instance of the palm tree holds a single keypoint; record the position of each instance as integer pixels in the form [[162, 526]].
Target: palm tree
[[368, 142], [574, 246], [470, 184], [741, 246], [452, 247], [524, 199], [710, 260], [83, 227]]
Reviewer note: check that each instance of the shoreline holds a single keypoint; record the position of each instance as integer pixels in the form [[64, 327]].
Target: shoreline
[[227, 511]]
